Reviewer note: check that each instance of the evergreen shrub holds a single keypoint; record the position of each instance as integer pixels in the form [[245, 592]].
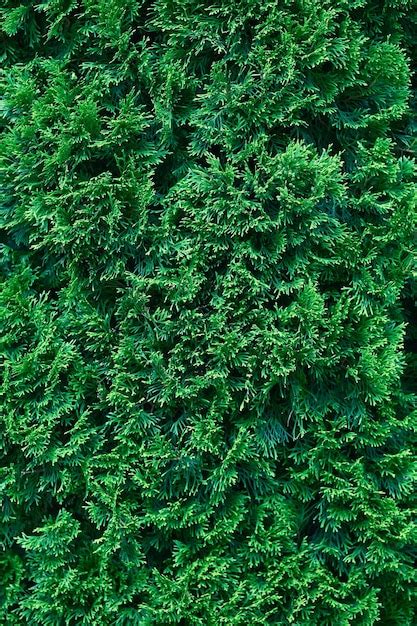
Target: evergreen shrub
[[208, 313]]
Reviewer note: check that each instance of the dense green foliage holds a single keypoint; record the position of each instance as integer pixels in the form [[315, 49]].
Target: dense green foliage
[[207, 311]]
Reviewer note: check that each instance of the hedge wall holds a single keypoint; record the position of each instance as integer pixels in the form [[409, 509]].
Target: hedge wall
[[208, 313]]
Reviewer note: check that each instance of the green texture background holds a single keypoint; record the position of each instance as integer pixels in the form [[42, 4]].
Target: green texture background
[[207, 308]]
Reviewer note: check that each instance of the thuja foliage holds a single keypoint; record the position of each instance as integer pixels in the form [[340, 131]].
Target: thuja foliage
[[207, 303]]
